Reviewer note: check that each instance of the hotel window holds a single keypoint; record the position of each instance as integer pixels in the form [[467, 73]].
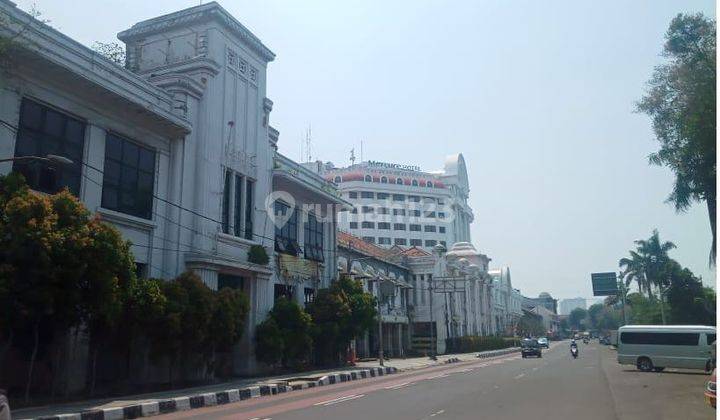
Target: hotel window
[[368, 239], [429, 184], [415, 242], [354, 210], [398, 197], [429, 228], [233, 213], [430, 242], [383, 225], [441, 229], [384, 241], [383, 180], [398, 212], [383, 196], [441, 215], [368, 209], [338, 179], [367, 194], [353, 225], [415, 213], [414, 183], [313, 239], [383, 210], [353, 194], [399, 226], [422, 289], [414, 227], [368, 178], [400, 241], [43, 131], [399, 181], [128, 177], [368, 225], [286, 237], [414, 198], [430, 214]]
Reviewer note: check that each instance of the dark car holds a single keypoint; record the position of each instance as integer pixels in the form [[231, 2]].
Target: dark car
[[4, 406], [530, 347]]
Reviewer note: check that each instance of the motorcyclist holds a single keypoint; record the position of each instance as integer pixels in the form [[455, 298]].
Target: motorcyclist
[[573, 345]]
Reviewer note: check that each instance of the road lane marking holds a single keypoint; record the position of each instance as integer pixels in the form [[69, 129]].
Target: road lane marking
[[340, 399], [442, 375], [404, 384], [535, 368], [354, 397], [520, 376], [437, 413]]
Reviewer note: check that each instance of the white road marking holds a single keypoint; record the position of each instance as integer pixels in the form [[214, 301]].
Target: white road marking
[[535, 368], [442, 375], [340, 399], [520, 376], [437, 413], [404, 384]]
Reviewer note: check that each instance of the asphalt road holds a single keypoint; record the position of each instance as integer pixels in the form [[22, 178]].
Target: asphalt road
[[554, 387]]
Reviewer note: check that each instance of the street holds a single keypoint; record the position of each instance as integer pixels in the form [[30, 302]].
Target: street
[[555, 386]]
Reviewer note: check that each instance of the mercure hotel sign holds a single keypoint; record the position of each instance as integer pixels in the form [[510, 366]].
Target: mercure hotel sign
[[402, 167]]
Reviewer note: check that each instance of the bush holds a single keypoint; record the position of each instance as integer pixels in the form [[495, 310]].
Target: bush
[[258, 255], [284, 337], [474, 343]]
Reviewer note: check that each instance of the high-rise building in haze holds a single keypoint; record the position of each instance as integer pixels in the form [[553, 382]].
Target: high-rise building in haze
[[567, 305]]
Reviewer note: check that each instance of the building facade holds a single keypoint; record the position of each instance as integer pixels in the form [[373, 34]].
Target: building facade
[[175, 149], [401, 205], [507, 302]]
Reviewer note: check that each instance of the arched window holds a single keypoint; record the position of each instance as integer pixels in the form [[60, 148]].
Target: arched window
[[399, 181], [368, 178], [429, 184], [338, 179], [414, 183], [383, 180]]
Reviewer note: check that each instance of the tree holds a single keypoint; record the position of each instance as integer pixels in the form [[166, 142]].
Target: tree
[[530, 325], [689, 301], [363, 307], [594, 315], [285, 336], [643, 311], [230, 309], [113, 51], [331, 315], [681, 103], [646, 265], [577, 318]]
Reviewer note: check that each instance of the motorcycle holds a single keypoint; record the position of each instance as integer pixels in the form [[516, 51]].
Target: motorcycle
[[574, 352]]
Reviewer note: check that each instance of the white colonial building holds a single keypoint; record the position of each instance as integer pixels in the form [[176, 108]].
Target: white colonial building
[[401, 205], [507, 302], [175, 149]]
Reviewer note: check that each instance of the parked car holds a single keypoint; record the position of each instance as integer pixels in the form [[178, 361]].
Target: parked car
[[4, 406], [604, 340], [656, 347], [530, 347], [710, 386], [543, 342]]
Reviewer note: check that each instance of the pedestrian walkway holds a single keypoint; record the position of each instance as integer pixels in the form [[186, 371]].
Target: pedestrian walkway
[[140, 405]]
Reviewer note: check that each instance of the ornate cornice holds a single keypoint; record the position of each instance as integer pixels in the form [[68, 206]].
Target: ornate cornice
[[203, 13]]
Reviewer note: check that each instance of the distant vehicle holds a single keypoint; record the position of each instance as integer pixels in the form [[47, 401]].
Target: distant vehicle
[[530, 347], [710, 391], [574, 351], [4, 406], [543, 342], [655, 347], [614, 338], [605, 340]]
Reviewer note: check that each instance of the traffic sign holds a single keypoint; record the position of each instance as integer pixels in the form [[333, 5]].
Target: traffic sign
[[604, 284]]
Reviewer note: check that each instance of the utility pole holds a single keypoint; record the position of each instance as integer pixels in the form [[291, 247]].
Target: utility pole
[[433, 344], [380, 329]]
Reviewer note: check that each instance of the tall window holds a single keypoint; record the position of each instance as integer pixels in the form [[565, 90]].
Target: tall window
[[313, 239], [283, 291], [414, 183], [286, 236], [399, 181], [368, 178], [338, 179], [226, 202], [44, 131], [237, 220], [429, 184], [383, 180], [128, 177], [249, 206]]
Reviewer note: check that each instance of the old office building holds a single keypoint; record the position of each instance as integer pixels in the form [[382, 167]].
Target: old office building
[[175, 149], [401, 205]]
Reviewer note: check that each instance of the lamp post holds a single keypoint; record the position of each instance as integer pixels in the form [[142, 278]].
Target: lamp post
[[48, 158]]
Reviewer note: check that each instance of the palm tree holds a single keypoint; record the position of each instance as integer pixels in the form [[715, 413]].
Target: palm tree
[[647, 264]]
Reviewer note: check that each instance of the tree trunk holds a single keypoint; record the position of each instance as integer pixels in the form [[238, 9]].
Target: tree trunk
[[36, 339], [712, 207], [93, 369]]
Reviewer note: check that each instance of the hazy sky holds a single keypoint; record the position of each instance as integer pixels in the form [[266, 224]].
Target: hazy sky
[[538, 96]]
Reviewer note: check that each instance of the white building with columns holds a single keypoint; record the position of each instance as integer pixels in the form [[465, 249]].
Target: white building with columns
[[175, 149]]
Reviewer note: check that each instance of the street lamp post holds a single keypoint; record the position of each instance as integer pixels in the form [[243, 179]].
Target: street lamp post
[[48, 158]]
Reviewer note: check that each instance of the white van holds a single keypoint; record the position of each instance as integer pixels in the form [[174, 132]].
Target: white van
[[655, 347]]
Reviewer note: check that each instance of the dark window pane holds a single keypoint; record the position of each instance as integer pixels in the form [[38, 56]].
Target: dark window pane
[[111, 173], [130, 154], [31, 115], [27, 145], [54, 123], [113, 147], [127, 200], [109, 197], [75, 132], [249, 205], [128, 177], [238, 213], [147, 160], [226, 202], [145, 181]]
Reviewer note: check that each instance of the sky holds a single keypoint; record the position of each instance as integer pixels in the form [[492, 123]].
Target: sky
[[538, 96]]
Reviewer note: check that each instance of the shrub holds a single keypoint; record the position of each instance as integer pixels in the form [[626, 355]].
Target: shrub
[[284, 337], [473, 343], [258, 255]]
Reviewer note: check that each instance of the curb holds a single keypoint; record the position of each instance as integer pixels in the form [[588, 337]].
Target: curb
[[495, 353], [171, 405]]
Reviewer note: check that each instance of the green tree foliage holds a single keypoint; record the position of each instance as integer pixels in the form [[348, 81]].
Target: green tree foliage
[[642, 310], [577, 318], [647, 264], [681, 103], [285, 336], [230, 309], [530, 325], [688, 300]]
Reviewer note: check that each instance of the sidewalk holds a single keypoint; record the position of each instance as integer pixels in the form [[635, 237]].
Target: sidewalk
[[141, 405]]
